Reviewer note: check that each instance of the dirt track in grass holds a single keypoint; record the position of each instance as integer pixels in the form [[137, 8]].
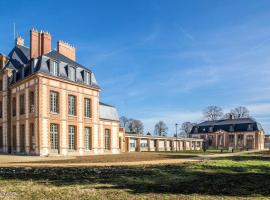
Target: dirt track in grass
[[142, 158]]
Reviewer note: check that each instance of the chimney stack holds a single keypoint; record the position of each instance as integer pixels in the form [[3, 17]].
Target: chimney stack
[[66, 50], [3, 61], [40, 43], [20, 41]]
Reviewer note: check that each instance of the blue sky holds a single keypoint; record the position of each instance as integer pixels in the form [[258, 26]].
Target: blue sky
[[161, 60]]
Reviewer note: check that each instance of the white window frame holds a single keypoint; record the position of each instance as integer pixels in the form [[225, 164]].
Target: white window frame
[[72, 105], [54, 136], [87, 107], [107, 138], [54, 102], [88, 138], [31, 101], [72, 76], [87, 78], [55, 68], [71, 137]]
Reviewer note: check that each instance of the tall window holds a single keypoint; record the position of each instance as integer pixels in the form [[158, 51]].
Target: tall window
[[107, 139], [55, 68], [71, 137], [1, 137], [22, 104], [32, 137], [14, 138], [231, 139], [1, 85], [88, 138], [54, 102], [72, 73], [54, 139], [87, 107], [87, 78], [71, 105], [31, 102], [22, 138], [1, 109], [14, 106]]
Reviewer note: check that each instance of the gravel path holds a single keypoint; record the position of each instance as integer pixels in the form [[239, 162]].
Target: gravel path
[[36, 161]]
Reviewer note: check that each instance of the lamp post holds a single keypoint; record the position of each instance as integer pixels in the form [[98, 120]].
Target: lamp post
[[176, 135]]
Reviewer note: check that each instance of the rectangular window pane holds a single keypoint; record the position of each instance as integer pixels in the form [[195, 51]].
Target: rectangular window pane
[[22, 138], [72, 73], [71, 105], [1, 109], [31, 102], [32, 137], [55, 68], [87, 78], [88, 138], [22, 104], [14, 106], [72, 137], [14, 138], [107, 139], [87, 107], [1, 137], [54, 136], [54, 102]]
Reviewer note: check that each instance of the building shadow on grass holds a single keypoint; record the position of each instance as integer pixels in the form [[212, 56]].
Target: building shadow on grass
[[189, 178]]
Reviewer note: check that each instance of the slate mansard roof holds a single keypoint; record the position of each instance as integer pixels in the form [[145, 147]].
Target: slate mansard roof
[[108, 112], [228, 125], [23, 66]]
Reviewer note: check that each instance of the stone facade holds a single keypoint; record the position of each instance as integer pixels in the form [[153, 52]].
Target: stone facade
[[139, 143], [27, 124], [243, 133]]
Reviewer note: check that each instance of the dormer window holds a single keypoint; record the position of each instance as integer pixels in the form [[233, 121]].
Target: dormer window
[[55, 68], [196, 130], [87, 78], [231, 128], [250, 127], [211, 129], [72, 73]]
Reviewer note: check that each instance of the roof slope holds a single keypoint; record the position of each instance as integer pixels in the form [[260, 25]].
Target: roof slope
[[19, 60], [228, 125], [108, 112]]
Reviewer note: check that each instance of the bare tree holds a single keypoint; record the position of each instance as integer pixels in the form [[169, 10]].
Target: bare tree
[[228, 115], [137, 126], [240, 112], [130, 125], [213, 113], [186, 128], [124, 121], [161, 128]]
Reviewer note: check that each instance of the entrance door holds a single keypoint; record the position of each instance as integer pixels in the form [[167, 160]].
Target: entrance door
[[54, 133], [250, 141]]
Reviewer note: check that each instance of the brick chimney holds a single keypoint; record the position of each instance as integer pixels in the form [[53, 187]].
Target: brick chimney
[[40, 43], [66, 50], [3, 61], [20, 41]]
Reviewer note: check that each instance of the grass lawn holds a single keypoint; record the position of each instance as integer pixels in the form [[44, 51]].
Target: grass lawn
[[208, 152], [239, 177]]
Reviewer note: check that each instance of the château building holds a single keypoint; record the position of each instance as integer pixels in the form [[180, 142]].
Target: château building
[[50, 104], [231, 133]]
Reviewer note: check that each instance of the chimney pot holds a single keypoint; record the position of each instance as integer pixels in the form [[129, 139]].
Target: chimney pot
[[40, 43], [66, 49], [20, 41]]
